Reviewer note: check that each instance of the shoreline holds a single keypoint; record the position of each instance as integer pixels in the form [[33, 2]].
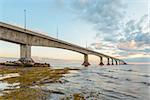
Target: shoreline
[[30, 80]]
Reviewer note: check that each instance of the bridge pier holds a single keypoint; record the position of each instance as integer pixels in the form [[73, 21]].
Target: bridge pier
[[112, 62], [25, 54], [86, 63], [116, 62], [108, 61], [101, 61], [124, 63]]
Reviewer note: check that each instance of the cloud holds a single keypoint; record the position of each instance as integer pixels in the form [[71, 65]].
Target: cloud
[[128, 45], [133, 40], [96, 45], [105, 47], [104, 14], [101, 45], [136, 37], [116, 36]]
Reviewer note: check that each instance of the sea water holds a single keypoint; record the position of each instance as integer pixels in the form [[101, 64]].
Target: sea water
[[118, 82], [95, 82]]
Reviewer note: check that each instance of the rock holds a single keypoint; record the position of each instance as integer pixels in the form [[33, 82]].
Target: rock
[[41, 65], [26, 60]]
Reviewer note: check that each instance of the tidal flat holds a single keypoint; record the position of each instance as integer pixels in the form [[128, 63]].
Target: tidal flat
[[28, 81]]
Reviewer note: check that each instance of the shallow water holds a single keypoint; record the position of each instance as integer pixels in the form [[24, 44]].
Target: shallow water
[[121, 82], [126, 82], [5, 85]]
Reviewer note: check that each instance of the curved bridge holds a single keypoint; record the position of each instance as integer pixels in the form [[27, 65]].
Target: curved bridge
[[27, 38]]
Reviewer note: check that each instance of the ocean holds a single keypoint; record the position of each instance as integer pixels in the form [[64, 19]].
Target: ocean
[[117, 82]]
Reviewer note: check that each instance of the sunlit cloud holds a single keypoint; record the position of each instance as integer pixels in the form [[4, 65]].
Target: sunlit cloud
[[116, 37], [129, 45], [136, 37]]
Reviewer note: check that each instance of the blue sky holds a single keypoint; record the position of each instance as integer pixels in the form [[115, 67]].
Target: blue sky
[[115, 27]]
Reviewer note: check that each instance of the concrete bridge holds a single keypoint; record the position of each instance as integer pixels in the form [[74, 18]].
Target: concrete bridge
[[27, 38]]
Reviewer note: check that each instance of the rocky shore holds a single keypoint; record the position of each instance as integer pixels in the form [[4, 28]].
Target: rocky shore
[[28, 80], [29, 64]]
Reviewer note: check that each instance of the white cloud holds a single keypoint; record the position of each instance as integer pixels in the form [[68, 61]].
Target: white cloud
[[136, 38], [116, 36], [101, 13]]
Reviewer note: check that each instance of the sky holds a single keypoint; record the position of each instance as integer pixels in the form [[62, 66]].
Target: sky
[[119, 28]]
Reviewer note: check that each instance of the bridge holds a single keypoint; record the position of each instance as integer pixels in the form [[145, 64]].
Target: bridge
[[27, 38]]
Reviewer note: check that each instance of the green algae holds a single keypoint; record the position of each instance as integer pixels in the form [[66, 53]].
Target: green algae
[[25, 94], [28, 78], [32, 76], [75, 96]]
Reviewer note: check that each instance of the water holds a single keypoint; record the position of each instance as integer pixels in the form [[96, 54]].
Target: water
[[121, 82], [126, 82], [5, 85]]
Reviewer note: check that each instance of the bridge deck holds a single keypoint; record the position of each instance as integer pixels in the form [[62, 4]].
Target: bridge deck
[[30, 32]]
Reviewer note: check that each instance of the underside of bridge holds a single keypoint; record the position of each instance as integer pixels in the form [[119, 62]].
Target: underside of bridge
[[25, 57], [27, 38]]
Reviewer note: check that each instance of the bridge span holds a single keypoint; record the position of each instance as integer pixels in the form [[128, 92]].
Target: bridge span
[[27, 38]]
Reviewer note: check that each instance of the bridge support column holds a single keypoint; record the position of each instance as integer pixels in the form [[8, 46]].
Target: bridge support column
[[25, 54], [108, 61], [124, 63], [116, 62], [101, 61], [112, 62], [86, 63]]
